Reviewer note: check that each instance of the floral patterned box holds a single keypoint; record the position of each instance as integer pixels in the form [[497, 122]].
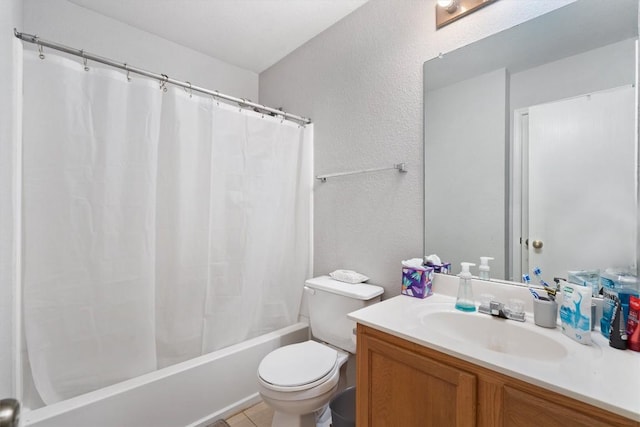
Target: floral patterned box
[[417, 283], [444, 268]]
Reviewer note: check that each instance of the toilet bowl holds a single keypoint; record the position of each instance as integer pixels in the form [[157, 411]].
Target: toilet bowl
[[299, 379]]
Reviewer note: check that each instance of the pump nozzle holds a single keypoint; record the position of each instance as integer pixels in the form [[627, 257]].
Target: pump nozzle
[[484, 260], [465, 273], [484, 267]]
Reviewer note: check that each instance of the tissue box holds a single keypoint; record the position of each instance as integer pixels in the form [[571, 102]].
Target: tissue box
[[417, 283], [444, 268]]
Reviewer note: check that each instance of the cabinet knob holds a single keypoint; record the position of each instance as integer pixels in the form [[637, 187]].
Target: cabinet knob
[[537, 244]]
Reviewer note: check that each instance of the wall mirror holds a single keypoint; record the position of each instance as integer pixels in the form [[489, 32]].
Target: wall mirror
[[530, 145]]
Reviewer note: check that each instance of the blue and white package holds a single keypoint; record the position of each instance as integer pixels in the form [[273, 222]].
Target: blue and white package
[[575, 312]]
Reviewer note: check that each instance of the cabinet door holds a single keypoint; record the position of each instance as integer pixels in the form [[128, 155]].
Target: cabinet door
[[522, 409], [401, 388]]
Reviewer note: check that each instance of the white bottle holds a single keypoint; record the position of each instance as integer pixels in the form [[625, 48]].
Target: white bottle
[[465, 301], [484, 267]]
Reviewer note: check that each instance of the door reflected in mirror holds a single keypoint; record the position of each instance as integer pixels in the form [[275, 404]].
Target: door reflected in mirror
[[531, 145]]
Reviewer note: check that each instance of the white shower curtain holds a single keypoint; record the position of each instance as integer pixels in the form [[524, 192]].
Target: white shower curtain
[[259, 251], [157, 226], [183, 223], [89, 166]]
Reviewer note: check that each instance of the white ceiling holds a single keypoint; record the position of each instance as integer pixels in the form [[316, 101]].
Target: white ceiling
[[252, 34]]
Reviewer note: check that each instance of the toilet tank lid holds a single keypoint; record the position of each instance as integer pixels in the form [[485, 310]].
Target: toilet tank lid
[[362, 291]]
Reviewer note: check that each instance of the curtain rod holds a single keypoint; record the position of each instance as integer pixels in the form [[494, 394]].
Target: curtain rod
[[242, 102]]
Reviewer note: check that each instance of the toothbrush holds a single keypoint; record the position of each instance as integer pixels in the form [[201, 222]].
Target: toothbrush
[[538, 273], [526, 279], [551, 292]]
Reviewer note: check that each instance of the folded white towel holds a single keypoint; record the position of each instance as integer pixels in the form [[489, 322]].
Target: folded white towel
[[348, 276]]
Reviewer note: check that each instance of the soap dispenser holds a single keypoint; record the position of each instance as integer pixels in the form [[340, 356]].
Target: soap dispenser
[[465, 300], [484, 267]]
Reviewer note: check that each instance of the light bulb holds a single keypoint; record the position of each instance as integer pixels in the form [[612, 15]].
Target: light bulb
[[449, 5]]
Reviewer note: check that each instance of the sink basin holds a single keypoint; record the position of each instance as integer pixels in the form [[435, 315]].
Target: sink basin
[[499, 335]]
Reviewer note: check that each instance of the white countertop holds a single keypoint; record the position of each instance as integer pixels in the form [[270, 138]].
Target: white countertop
[[595, 374]]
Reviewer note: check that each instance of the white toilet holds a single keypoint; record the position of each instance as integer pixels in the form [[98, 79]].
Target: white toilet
[[298, 379]]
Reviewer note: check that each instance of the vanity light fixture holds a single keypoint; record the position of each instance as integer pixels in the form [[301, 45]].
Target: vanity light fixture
[[448, 5], [448, 11]]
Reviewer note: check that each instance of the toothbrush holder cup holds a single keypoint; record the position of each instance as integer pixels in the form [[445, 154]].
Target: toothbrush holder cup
[[545, 312]]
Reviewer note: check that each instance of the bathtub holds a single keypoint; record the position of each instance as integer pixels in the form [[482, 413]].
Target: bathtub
[[192, 393]]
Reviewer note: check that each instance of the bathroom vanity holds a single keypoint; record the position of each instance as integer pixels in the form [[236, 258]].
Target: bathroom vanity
[[422, 363]]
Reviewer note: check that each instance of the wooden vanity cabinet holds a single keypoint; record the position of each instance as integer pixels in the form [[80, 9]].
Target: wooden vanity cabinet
[[402, 384]]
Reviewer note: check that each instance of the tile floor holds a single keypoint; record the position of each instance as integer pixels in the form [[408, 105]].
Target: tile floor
[[259, 415]]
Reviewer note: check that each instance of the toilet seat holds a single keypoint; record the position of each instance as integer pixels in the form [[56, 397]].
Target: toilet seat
[[298, 366]]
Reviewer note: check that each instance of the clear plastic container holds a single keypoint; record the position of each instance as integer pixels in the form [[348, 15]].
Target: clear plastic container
[[465, 301]]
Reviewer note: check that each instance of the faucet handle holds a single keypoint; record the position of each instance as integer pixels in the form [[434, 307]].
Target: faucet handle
[[515, 310], [515, 305], [496, 308], [485, 303], [485, 299]]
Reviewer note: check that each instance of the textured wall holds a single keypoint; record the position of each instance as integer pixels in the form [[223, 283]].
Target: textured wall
[[361, 83]]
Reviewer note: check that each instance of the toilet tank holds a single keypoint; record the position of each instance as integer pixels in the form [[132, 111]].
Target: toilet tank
[[329, 303]]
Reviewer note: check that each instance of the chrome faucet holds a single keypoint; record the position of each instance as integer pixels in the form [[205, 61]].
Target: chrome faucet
[[498, 309]]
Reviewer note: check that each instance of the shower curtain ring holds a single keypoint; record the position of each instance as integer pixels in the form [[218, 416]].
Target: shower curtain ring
[[41, 55], [126, 67], [163, 82], [214, 96], [84, 61], [189, 91]]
